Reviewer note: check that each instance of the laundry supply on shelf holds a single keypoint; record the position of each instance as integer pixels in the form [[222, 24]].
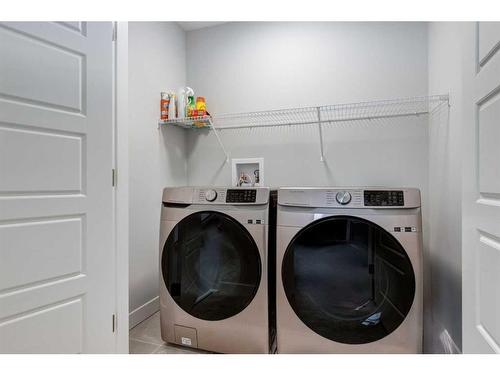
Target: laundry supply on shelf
[[164, 104]]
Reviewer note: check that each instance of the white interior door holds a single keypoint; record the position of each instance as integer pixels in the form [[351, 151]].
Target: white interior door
[[57, 276], [481, 193]]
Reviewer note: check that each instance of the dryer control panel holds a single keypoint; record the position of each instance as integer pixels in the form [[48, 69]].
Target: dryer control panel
[[376, 198]]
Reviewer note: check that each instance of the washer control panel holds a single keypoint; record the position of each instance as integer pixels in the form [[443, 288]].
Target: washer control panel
[[241, 196], [249, 206], [376, 198], [216, 195]]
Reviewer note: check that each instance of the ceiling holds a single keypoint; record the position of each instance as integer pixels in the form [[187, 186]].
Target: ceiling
[[195, 25]]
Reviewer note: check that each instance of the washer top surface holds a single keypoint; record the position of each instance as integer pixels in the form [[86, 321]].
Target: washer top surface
[[208, 195], [349, 197]]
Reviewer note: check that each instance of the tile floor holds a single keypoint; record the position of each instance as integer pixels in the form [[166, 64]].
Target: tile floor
[[145, 338]]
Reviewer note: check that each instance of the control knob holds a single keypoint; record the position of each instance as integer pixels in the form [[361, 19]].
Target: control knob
[[210, 195], [343, 197]]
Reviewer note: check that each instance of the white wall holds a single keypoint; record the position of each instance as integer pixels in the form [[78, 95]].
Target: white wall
[[252, 66], [445, 189], [157, 62], [244, 66]]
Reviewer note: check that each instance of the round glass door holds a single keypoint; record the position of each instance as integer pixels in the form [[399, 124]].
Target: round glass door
[[211, 265], [348, 279]]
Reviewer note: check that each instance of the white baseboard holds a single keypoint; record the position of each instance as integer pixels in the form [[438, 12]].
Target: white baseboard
[[143, 312]]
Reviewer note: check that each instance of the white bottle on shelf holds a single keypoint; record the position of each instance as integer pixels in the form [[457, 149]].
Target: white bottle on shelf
[[182, 99], [172, 107]]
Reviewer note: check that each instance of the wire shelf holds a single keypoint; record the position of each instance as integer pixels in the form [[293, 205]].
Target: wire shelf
[[413, 106], [327, 114], [188, 122]]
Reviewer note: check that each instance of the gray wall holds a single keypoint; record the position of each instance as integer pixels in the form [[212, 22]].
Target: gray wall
[[157, 62], [445, 189]]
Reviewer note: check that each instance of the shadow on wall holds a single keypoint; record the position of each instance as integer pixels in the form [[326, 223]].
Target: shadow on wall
[[173, 146], [370, 152]]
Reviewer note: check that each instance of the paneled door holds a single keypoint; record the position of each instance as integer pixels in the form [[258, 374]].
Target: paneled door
[[481, 188], [57, 276]]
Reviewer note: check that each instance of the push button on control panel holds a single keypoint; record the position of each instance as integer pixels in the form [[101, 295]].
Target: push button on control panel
[[405, 229]]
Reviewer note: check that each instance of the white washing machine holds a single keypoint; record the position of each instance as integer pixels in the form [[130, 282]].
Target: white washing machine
[[213, 268], [349, 270]]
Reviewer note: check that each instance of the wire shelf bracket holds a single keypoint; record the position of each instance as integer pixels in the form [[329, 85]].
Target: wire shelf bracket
[[211, 125], [320, 131]]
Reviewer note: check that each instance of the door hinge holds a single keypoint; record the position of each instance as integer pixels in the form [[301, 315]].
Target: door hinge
[[114, 33], [113, 177], [114, 323]]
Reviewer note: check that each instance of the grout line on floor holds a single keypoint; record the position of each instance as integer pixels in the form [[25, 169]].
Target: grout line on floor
[[145, 342], [157, 349]]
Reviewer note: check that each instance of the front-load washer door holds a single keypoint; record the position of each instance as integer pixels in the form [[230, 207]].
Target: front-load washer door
[[211, 265], [348, 279]]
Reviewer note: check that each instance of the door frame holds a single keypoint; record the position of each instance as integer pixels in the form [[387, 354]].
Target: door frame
[[121, 191]]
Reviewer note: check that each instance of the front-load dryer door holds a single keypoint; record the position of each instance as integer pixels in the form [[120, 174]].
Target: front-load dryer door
[[211, 265], [348, 279]]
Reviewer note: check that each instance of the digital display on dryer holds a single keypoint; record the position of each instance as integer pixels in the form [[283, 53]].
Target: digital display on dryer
[[378, 198], [241, 196]]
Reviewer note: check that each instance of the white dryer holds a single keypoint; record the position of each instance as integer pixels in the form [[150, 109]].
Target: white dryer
[[213, 268], [349, 270]]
